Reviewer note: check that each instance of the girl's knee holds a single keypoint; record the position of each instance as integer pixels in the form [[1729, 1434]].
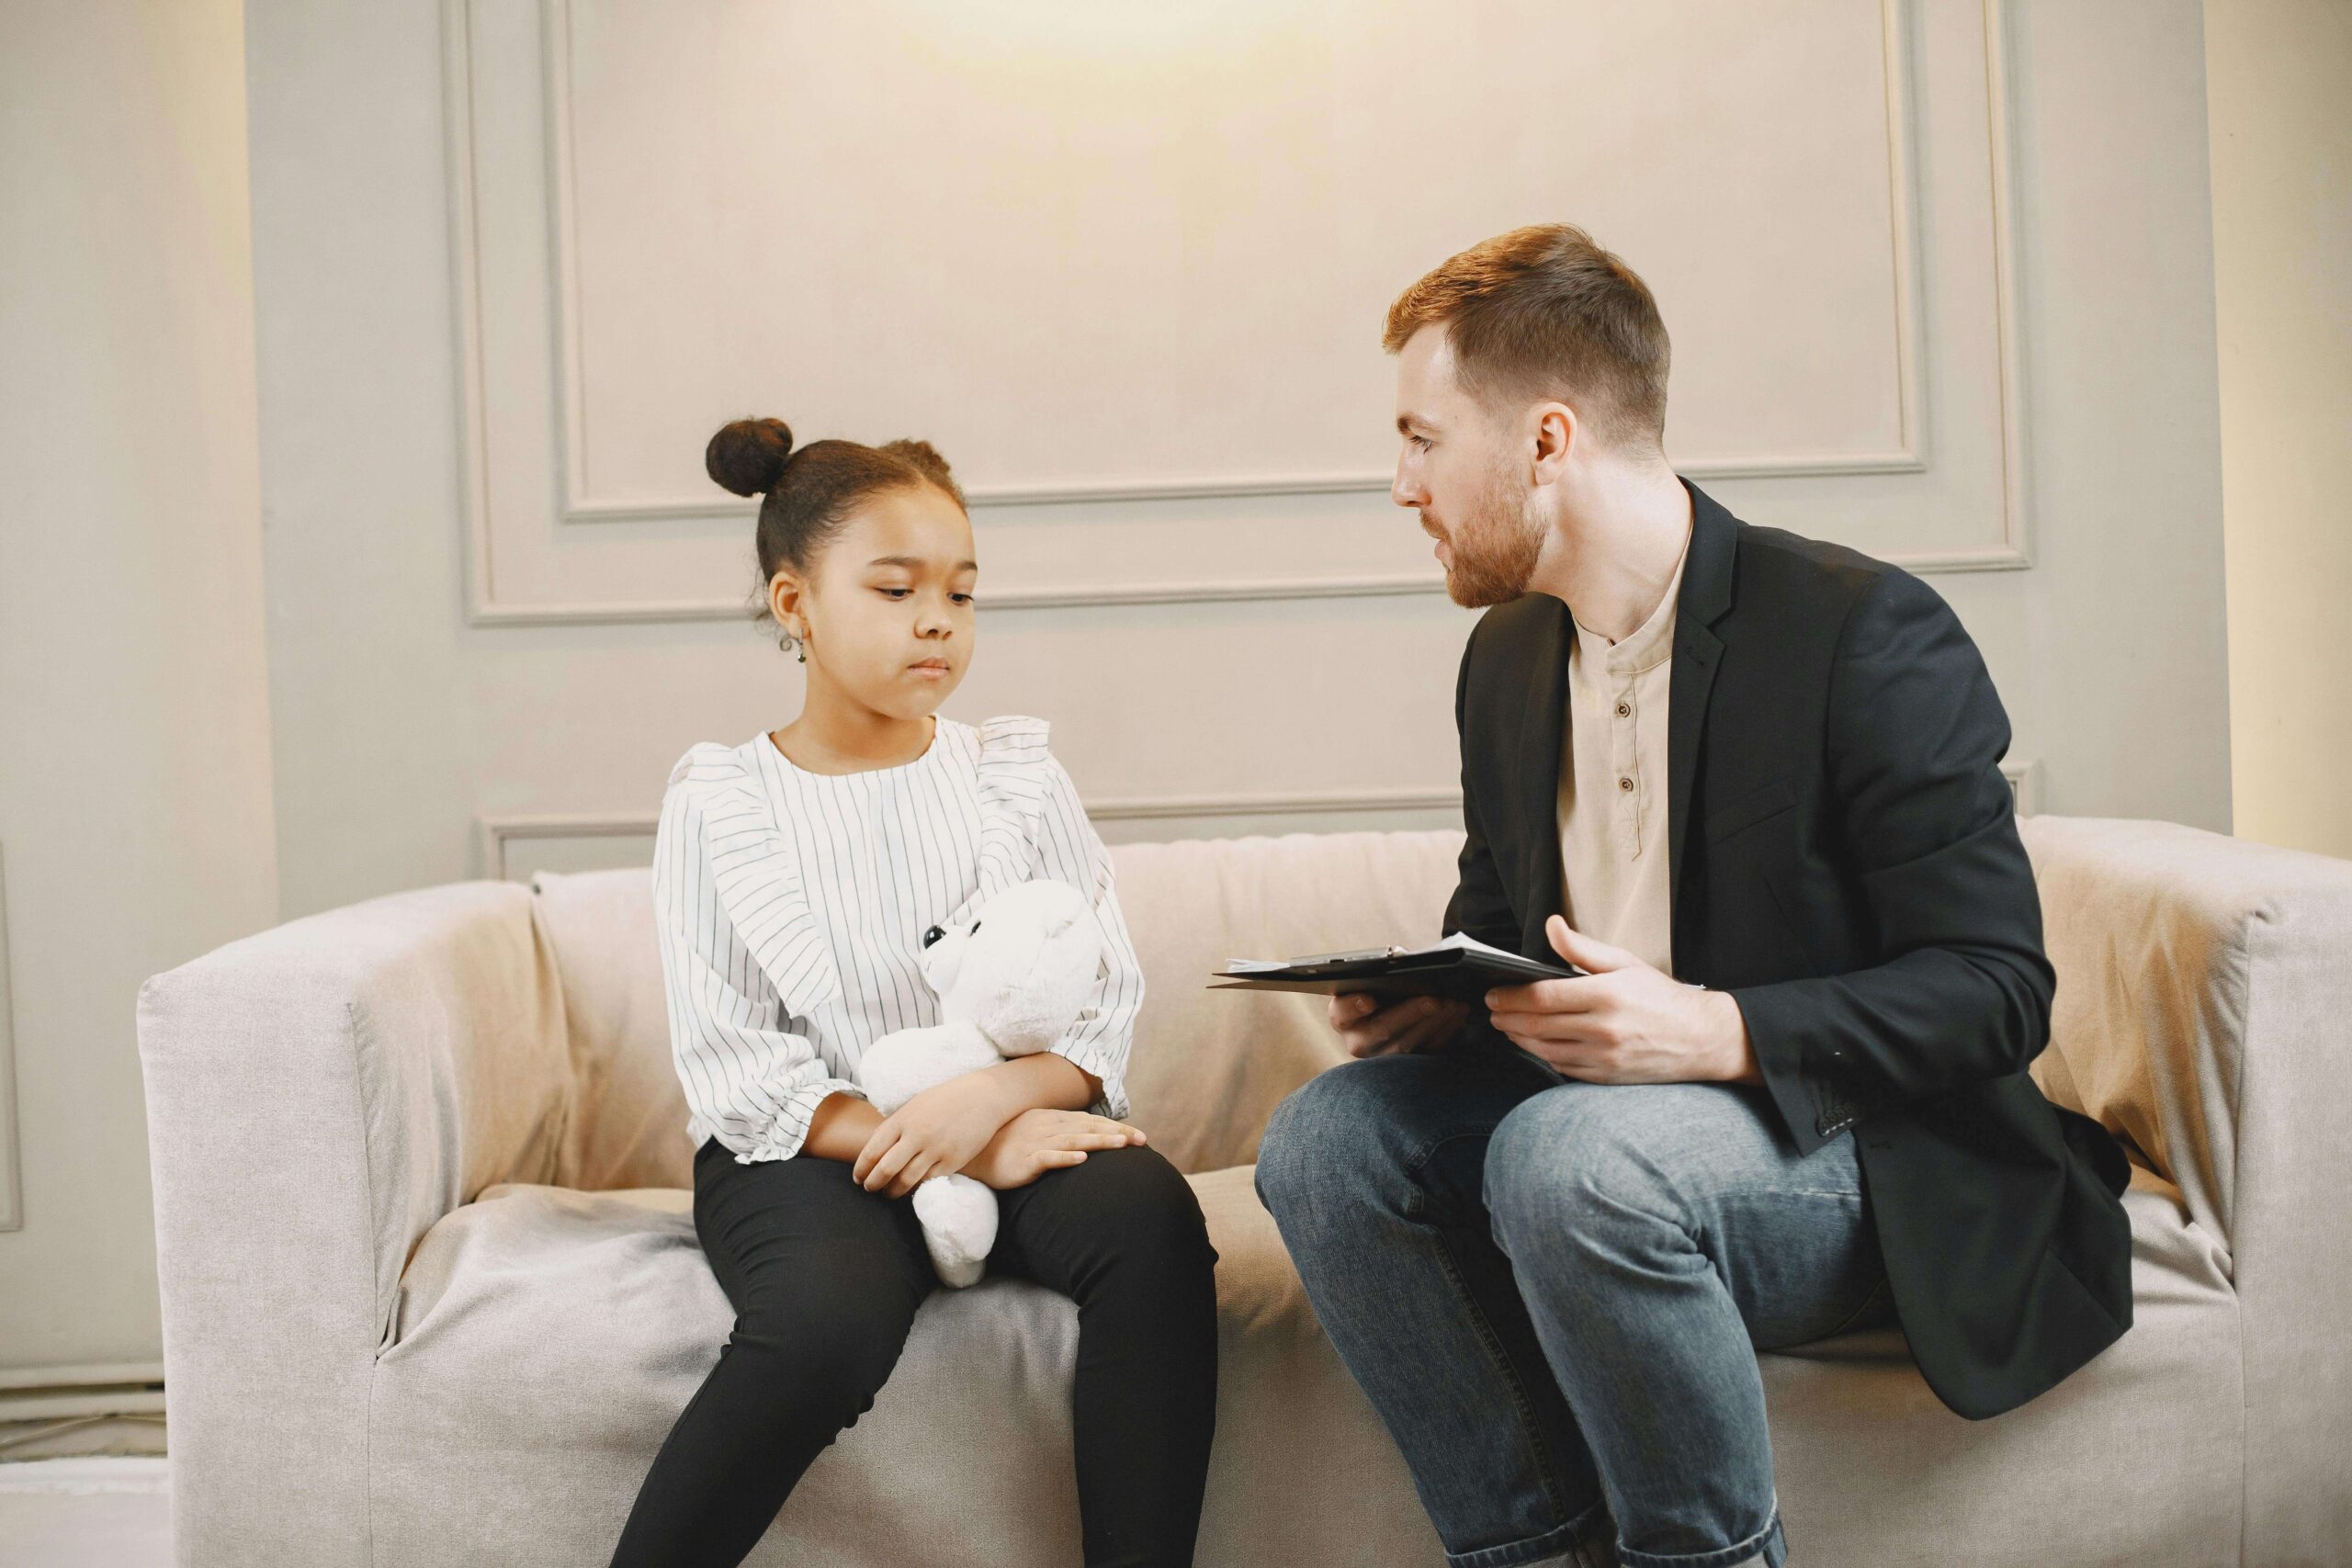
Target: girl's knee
[[825, 1362], [1133, 1210]]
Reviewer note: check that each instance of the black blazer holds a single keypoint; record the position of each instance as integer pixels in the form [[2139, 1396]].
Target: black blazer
[[1855, 880]]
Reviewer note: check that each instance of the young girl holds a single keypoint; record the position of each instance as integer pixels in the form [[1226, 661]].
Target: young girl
[[794, 876]]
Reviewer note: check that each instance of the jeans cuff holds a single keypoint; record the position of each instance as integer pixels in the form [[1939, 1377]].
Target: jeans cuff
[[1582, 1543], [1768, 1546]]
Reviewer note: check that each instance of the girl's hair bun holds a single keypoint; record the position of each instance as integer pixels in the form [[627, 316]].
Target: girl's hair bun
[[747, 456]]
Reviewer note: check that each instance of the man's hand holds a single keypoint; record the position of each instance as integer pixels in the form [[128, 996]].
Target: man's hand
[[937, 1132], [1416, 1024], [1041, 1140], [1624, 1021]]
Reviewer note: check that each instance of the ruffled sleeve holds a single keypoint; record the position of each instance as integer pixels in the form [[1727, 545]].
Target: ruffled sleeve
[[1033, 827], [742, 959]]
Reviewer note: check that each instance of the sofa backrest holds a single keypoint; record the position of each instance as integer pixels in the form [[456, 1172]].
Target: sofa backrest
[[2204, 1008], [629, 1119], [2156, 932], [1210, 1066], [1207, 1069]]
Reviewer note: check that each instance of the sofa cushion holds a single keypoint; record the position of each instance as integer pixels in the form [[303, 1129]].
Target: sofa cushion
[[628, 1124], [546, 1339], [2134, 1458]]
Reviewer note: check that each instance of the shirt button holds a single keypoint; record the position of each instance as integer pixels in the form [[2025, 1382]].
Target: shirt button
[[1626, 784], [1624, 710]]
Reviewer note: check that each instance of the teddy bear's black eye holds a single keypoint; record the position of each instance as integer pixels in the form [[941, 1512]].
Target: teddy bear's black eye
[[933, 935]]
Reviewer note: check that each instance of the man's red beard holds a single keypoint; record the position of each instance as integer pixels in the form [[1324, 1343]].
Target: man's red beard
[[1495, 544]]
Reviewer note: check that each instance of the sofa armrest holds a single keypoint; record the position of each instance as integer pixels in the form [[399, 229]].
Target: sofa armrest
[[2204, 1012], [2204, 987], [318, 1095]]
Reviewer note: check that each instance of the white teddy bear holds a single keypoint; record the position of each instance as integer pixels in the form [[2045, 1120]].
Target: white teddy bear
[[1011, 981]]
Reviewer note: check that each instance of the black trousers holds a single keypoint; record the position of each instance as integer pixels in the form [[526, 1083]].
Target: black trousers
[[825, 1277]]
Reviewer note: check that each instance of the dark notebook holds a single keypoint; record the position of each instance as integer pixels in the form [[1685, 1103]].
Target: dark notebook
[[1460, 966]]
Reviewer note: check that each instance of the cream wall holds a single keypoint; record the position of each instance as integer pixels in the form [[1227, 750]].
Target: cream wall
[[135, 826], [496, 325], [2278, 79]]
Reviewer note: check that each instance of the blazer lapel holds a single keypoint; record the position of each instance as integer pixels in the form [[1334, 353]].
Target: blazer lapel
[[1543, 734], [1698, 653]]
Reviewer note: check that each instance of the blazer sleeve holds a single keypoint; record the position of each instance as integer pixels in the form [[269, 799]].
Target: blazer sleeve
[[1914, 741], [1480, 905]]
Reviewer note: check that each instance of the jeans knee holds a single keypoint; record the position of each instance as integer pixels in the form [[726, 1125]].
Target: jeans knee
[[1322, 1139], [1571, 1163], [1279, 1150]]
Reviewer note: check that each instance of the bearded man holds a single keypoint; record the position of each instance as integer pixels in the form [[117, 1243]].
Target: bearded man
[[1748, 783]]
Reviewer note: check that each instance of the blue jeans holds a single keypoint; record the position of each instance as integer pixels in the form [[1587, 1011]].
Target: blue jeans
[[1553, 1292]]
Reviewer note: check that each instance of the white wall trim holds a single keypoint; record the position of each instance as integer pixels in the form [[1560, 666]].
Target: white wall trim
[[57, 1393], [473, 440], [1999, 108], [110, 1374], [1365, 586], [575, 503], [485, 608], [2024, 774], [495, 832], [11, 1188]]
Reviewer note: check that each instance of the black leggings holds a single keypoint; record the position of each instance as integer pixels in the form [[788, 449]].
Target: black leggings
[[825, 1277]]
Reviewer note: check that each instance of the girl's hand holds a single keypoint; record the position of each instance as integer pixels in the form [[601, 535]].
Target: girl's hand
[[937, 1132], [1039, 1141]]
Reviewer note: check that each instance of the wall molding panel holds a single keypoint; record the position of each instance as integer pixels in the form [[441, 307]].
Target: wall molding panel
[[544, 547], [494, 833], [1317, 811], [577, 505], [12, 1190]]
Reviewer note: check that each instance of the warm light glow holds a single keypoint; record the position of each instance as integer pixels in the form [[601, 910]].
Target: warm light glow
[[1074, 30]]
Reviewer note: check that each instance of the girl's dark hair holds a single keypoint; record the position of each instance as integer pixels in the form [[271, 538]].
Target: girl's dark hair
[[810, 491]]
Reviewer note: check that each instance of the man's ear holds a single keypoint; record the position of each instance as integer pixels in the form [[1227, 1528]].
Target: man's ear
[[1555, 435]]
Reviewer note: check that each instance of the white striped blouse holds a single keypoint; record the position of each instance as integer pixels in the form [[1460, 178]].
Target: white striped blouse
[[792, 907]]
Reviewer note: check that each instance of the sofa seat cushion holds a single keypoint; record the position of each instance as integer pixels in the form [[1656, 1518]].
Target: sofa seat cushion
[[545, 1340], [2133, 1460]]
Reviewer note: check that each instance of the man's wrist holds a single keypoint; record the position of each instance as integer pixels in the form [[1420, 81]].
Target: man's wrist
[[1736, 1051]]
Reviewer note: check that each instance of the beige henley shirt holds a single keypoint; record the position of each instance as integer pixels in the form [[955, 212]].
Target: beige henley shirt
[[1612, 811]]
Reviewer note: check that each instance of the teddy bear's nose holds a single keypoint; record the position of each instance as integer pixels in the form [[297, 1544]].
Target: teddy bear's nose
[[933, 935]]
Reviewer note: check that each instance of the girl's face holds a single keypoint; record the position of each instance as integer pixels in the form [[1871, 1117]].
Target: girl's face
[[887, 607]]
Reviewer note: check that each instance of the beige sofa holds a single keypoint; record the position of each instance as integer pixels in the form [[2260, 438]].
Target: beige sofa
[[432, 1296]]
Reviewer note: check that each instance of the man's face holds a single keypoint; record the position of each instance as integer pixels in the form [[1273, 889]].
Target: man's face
[[1456, 468]]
